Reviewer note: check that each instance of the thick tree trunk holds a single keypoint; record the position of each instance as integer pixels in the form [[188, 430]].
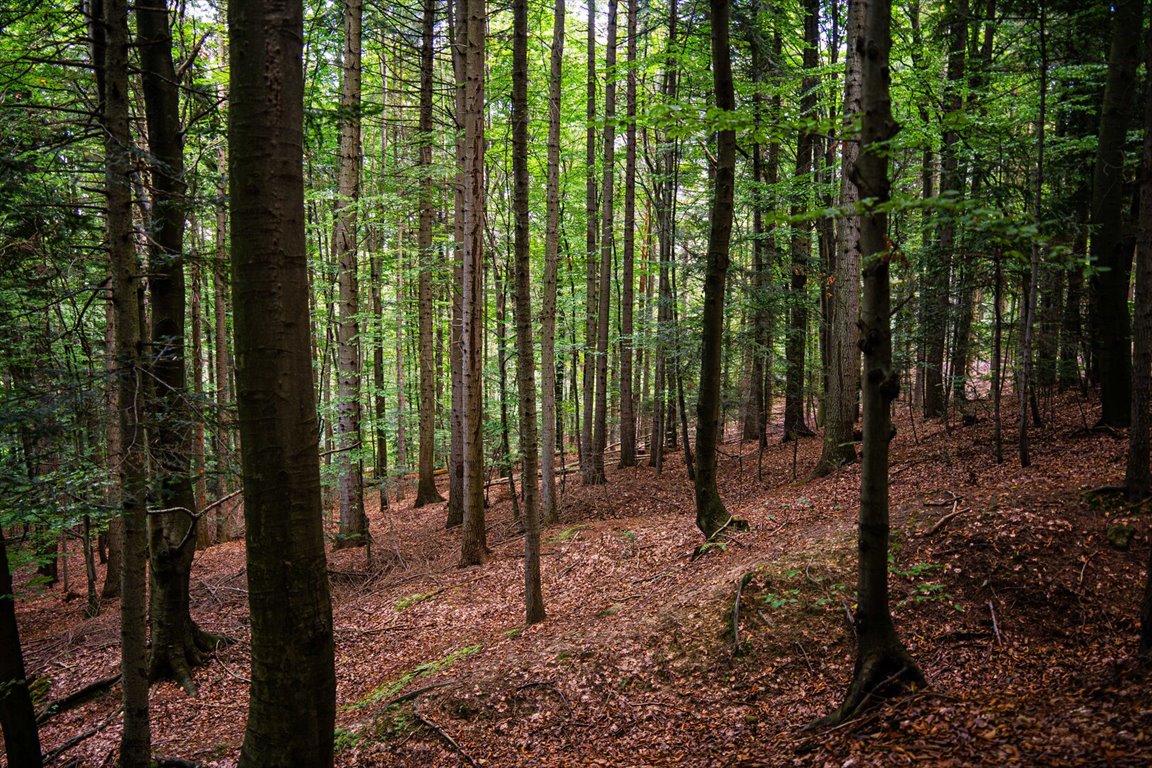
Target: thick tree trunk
[[1138, 479], [549, 507], [353, 530], [883, 666], [177, 644], [292, 699], [17, 715], [1112, 240]]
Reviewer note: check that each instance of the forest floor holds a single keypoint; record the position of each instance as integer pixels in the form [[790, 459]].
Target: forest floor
[[1006, 589]]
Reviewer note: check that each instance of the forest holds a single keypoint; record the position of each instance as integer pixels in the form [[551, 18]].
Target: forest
[[663, 382]]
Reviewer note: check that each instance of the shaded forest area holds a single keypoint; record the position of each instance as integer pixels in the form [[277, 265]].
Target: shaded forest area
[[755, 383]]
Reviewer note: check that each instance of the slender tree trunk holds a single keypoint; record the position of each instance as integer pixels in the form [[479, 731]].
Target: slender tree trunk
[[113, 446], [711, 515], [426, 492], [587, 449], [458, 26], [1112, 242], [549, 508], [353, 531], [379, 400], [525, 356], [1028, 311], [883, 666], [135, 740], [794, 424], [474, 547], [607, 244], [844, 358], [627, 299], [222, 442]]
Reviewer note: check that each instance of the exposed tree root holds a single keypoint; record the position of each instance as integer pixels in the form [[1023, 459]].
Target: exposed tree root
[[176, 664], [882, 674]]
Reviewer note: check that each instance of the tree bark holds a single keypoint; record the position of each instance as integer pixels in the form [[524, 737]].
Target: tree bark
[[711, 515], [135, 741], [883, 666], [292, 699], [591, 309], [426, 492], [353, 530], [549, 507], [1111, 240], [522, 308], [794, 423], [459, 28], [844, 359], [607, 244], [627, 297], [474, 547], [17, 715]]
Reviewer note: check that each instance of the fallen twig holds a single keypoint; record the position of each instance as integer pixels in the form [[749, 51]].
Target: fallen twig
[[1080, 581], [946, 519], [442, 733], [77, 698], [50, 756], [995, 623]]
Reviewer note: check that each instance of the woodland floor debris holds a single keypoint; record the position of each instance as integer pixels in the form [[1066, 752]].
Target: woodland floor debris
[[1021, 613]]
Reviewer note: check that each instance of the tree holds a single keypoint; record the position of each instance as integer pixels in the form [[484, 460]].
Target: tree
[[548, 504], [136, 739], [627, 298], [607, 243], [353, 521], [525, 356], [844, 363], [591, 307], [794, 423], [474, 546], [426, 492], [883, 666], [711, 515], [17, 716], [177, 643], [1111, 242], [292, 704]]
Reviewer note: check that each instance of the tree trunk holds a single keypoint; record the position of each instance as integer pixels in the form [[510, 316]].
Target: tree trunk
[[135, 741], [292, 699], [17, 715], [711, 515], [459, 28], [627, 299], [474, 547], [549, 509], [1137, 477], [844, 358], [1112, 242], [591, 309], [883, 666], [794, 424], [525, 357], [607, 243], [353, 530], [426, 492]]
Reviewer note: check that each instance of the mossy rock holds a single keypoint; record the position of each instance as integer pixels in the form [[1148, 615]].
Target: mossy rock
[[1120, 535]]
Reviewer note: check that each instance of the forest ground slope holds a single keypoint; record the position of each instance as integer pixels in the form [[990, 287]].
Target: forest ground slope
[[1006, 588]]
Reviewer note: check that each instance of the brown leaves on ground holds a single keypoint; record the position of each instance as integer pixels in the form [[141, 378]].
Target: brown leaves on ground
[[1018, 608]]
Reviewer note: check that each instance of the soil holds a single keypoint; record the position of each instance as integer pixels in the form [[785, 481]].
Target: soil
[[1005, 588]]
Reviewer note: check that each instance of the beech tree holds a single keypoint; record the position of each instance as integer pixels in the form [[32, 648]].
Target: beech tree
[[292, 704], [883, 666]]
